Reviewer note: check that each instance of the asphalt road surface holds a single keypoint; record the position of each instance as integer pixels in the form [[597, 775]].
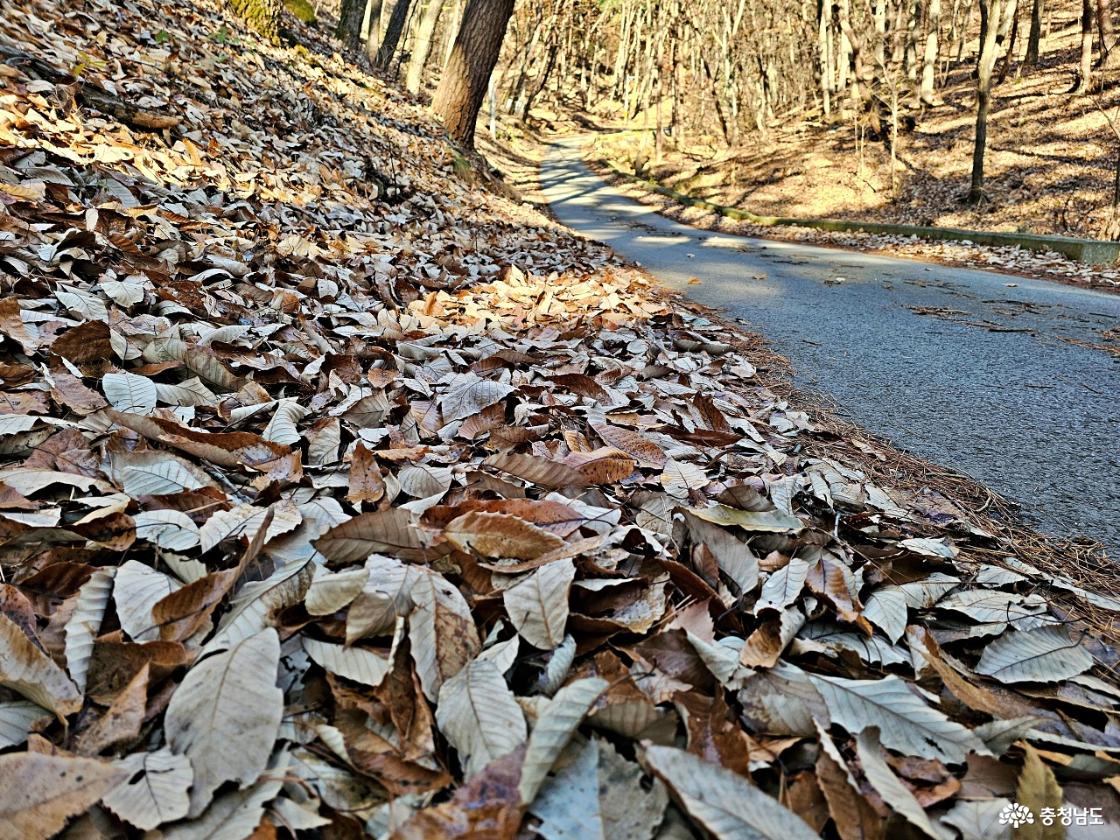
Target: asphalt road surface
[[971, 369]]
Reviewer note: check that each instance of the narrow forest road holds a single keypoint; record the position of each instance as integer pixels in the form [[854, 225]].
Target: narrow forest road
[[971, 369]]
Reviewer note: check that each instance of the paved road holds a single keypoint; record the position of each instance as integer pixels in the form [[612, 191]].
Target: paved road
[[1030, 414]]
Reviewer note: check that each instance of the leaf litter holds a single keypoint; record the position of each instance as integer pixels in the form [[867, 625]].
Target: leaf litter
[[344, 494]]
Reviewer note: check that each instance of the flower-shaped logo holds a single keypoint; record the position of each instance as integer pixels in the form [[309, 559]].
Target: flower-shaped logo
[[1015, 815]]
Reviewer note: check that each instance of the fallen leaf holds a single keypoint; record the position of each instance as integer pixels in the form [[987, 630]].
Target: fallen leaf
[[225, 716], [723, 802], [26, 670], [538, 604], [500, 535], [155, 790], [51, 789], [1044, 655], [477, 713]]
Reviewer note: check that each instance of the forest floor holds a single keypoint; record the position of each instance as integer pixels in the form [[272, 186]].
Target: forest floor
[[1050, 169], [341, 491]]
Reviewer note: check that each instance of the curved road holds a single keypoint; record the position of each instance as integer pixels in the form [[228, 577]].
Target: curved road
[[971, 369]]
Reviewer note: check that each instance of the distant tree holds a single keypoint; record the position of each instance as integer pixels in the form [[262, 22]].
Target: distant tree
[[393, 34], [451, 28], [1085, 68], [371, 27], [350, 18], [463, 85], [990, 15], [1104, 29], [1035, 35], [422, 45], [263, 16], [929, 55]]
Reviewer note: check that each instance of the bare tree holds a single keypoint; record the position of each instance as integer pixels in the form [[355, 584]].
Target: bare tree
[[463, 85], [1104, 29], [422, 45], [451, 27], [371, 27], [1035, 35], [349, 29], [1085, 68], [990, 13], [929, 57], [393, 34], [263, 16], [824, 18]]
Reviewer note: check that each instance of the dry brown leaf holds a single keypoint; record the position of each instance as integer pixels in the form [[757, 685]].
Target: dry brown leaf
[[28, 671], [734, 557], [50, 790], [182, 613], [831, 578], [852, 815], [1038, 789], [644, 451], [13, 326], [499, 535], [679, 477], [366, 483], [537, 470], [121, 721], [488, 807], [442, 632], [391, 532], [724, 802], [154, 791], [602, 466]]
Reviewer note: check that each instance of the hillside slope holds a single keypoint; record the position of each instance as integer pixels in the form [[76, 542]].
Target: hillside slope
[[342, 494], [1050, 166]]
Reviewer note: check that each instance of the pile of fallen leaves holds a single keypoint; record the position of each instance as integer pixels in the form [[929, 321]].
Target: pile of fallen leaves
[[342, 496]]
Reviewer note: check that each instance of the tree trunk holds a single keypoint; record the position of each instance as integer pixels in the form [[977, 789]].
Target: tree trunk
[[854, 45], [492, 99], [262, 16], [422, 45], [1010, 54], [1006, 22], [527, 52], [1085, 73], [721, 115], [990, 11], [349, 29], [393, 34], [463, 86], [553, 49], [451, 24], [408, 35], [879, 17], [929, 57], [371, 27], [1035, 35], [976, 188], [675, 112], [371, 20], [824, 13], [1104, 29]]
